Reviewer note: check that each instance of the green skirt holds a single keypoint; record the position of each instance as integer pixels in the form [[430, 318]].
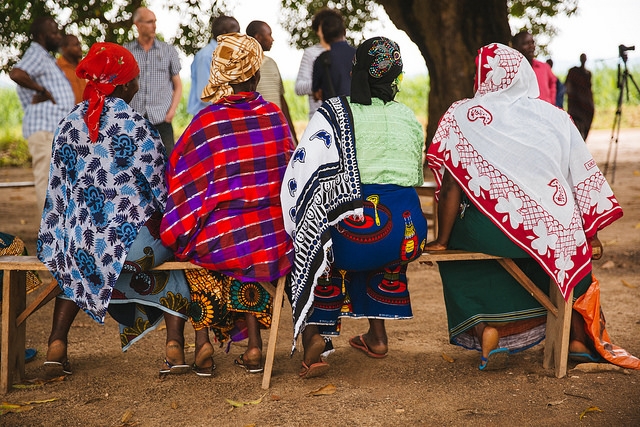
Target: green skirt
[[483, 291]]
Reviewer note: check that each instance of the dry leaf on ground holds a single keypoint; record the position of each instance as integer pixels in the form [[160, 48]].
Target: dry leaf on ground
[[324, 391]]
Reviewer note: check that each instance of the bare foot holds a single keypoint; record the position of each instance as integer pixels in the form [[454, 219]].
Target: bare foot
[[362, 342], [204, 356], [57, 351], [175, 353], [313, 350], [490, 339], [252, 356], [576, 346]]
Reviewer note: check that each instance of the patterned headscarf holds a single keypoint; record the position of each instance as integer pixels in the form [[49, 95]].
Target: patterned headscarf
[[236, 59], [106, 66], [376, 67]]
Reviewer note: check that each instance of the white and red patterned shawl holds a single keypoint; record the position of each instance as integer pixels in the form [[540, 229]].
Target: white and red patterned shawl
[[522, 162]]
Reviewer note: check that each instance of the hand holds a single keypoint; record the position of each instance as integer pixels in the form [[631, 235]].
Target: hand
[[596, 248], [317, 95], [42, 96]]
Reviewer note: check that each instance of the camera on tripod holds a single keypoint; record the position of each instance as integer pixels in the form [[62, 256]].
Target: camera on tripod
[[622, 51]]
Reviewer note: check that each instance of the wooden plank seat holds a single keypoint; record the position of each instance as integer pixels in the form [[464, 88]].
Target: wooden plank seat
[[556, 348], [15, 313], [428, 190]]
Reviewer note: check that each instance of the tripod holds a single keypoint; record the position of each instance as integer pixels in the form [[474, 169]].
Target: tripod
[[623, 84]]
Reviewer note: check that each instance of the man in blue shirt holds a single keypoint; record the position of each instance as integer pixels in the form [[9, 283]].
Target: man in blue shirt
[[45, 95], [201, 65]]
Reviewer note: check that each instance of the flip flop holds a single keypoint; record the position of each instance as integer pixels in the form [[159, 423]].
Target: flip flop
[[363, 347], [584, 357], [497, 359], [203, 372], [252, 369], [170, 368], [58, 368], [315, 370], [30, 354]]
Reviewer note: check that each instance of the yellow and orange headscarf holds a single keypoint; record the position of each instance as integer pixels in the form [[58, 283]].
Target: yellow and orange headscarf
[[236, 59], [106, 66]]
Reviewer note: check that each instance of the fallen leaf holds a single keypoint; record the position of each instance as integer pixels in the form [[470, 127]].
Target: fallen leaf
[[174, 405], [37, 382], [126, 417], [448, 358], [324, 391], [399, 411], [608, 265], [590, 409], [637, 226], [53, 399], [600, 367], [628, 285], [258, 400], [275, 397], [6, 408], [636, 173], [240, 404], [235, 403]]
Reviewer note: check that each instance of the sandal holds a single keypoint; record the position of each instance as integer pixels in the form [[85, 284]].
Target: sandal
[[170, 368], [58, 368], [204, 371], [314, 370], [249, 367], [498, 358]]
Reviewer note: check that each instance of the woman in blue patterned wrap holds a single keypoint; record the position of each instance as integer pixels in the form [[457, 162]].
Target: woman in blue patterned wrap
[[99, 233]]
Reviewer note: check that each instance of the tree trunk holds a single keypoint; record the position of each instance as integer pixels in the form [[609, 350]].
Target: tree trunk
[[448, 34]]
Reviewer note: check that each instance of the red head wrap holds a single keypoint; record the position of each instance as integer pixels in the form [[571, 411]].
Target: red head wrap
[[106, 66]]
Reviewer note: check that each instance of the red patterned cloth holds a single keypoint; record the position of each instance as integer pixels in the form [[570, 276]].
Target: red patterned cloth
[[224, 178], [522, 162], [106, 66]]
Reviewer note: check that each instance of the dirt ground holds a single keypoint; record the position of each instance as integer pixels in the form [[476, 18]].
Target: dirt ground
[[423, 381]]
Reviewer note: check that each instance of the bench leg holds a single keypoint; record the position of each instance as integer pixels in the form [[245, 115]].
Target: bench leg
[[273, 333], [556, 347], [14, 296]]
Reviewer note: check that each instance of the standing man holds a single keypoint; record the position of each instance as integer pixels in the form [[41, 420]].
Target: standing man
[[524, 43], [580, 97], [201, 65], [270, 84], [160, 84], [70, 56], [332, 69], [45, 95]]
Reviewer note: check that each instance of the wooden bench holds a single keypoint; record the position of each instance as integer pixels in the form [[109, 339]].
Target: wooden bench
[[556, 347], [428, 190], [15, 313]]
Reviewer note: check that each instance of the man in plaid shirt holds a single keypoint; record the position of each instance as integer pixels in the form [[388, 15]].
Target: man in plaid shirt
[[160, 84], [45, 95]]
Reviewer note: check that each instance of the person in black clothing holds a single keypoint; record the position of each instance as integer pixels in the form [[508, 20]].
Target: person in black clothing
[[332, 69]]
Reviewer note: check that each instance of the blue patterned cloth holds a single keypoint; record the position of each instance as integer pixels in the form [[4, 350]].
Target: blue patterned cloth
[[99, 196]]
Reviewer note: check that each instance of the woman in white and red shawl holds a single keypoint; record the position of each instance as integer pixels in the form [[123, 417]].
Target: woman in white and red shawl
[[223, 212], [515, 180]]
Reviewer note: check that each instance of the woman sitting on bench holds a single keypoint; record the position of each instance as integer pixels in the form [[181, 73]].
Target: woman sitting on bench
[[100, 225], [516, 180]]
